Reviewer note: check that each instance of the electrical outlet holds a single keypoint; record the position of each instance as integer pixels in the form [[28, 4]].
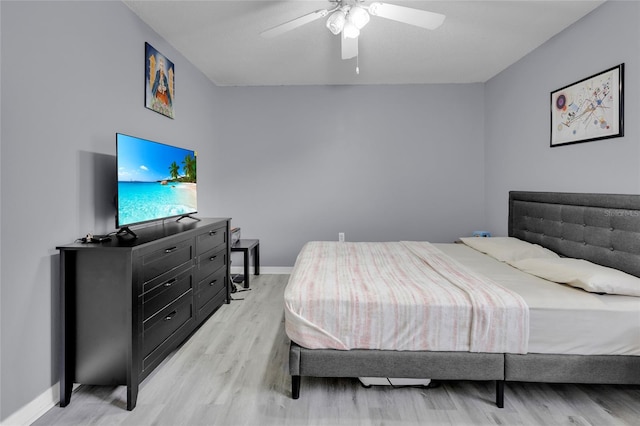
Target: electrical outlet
[[341, 237]]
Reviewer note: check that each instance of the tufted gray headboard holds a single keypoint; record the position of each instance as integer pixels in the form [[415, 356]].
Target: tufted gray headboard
[[601, 228]]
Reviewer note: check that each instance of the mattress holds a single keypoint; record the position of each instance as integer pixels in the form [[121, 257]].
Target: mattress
[[562, 319]]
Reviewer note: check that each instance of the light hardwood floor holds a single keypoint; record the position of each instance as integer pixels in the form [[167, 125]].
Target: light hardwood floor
[[234, 371]]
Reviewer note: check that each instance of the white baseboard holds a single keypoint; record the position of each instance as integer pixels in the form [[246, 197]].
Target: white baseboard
[[33, 410], [273, 270]]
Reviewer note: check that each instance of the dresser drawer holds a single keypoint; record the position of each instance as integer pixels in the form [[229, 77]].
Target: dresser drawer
[[210, 286], [168, 257], [163, 324], [211, 304], [209, 262], [163, 290], [211, 239]]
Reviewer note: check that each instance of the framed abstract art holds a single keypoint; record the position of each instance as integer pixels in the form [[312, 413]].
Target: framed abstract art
[[590, 109]]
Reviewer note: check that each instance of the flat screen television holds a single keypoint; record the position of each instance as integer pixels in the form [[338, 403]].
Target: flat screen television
[[155, 181]]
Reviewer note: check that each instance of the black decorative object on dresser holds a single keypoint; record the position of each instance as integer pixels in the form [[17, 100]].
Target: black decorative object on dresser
[[127, 303]]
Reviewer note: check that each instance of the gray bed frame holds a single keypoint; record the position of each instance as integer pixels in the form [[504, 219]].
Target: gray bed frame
[[602, 228]]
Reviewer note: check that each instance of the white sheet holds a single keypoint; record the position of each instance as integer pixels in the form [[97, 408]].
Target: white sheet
[[563, 319]]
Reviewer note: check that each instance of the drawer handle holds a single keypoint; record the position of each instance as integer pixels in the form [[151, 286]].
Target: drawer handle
[[170, 249], [170, 282], [212, 258], [213, 282], [171, 315], [212, 233]]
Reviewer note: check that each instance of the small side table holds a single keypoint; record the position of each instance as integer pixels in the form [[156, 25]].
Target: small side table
[[246, 246]]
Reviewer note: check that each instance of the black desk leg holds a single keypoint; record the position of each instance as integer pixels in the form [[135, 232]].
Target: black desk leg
[[256, 259], [246, 268]]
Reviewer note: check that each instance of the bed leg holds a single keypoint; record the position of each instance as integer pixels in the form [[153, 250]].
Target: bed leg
[[500, 393], [295, 387]]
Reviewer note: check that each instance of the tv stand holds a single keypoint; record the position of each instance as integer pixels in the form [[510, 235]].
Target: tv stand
[[122, 232], [187, 216]]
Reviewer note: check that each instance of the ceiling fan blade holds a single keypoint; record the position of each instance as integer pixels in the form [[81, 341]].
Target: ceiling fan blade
[[294, 23], [407, 15], [349, 47]]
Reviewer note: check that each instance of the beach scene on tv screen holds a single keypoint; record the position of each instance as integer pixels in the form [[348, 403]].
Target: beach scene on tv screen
[[154, 180]]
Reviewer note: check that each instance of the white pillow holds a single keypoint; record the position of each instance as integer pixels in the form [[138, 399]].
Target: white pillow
[[508, 249], [581, 273]]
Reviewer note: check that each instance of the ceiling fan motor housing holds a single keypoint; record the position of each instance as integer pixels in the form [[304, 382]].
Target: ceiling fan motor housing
[[348, 18]]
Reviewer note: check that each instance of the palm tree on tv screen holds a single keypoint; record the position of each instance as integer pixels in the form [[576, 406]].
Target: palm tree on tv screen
[[189, 168], [174, 170]]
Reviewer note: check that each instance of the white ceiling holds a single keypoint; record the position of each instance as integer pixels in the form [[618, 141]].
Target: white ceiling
[[477, 40]]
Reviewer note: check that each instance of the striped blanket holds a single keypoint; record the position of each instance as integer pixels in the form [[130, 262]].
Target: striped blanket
[[398, 296]]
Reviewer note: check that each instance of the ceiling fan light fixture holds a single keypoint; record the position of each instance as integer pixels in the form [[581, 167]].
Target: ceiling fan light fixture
[[374, 8], [336, 22], [350, 30], [359, 16]]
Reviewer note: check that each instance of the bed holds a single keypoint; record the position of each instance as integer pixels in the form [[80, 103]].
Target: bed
[[603, 229]]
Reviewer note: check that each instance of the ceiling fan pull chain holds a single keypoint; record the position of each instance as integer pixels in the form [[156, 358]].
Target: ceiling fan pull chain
[[358, 64]]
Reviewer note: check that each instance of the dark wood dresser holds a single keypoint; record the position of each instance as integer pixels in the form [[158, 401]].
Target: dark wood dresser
[[125, 304]]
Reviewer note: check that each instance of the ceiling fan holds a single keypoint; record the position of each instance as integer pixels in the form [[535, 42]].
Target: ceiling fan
[[348, 17]]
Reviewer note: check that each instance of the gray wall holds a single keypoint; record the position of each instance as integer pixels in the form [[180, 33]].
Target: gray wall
[[72, 76], [378, 163], [518, 156]]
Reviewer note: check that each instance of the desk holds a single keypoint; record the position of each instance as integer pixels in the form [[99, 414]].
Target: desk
[[245, 246]]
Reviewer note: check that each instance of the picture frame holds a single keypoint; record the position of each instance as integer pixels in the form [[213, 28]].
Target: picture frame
[[159, 94], [590, 109]]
